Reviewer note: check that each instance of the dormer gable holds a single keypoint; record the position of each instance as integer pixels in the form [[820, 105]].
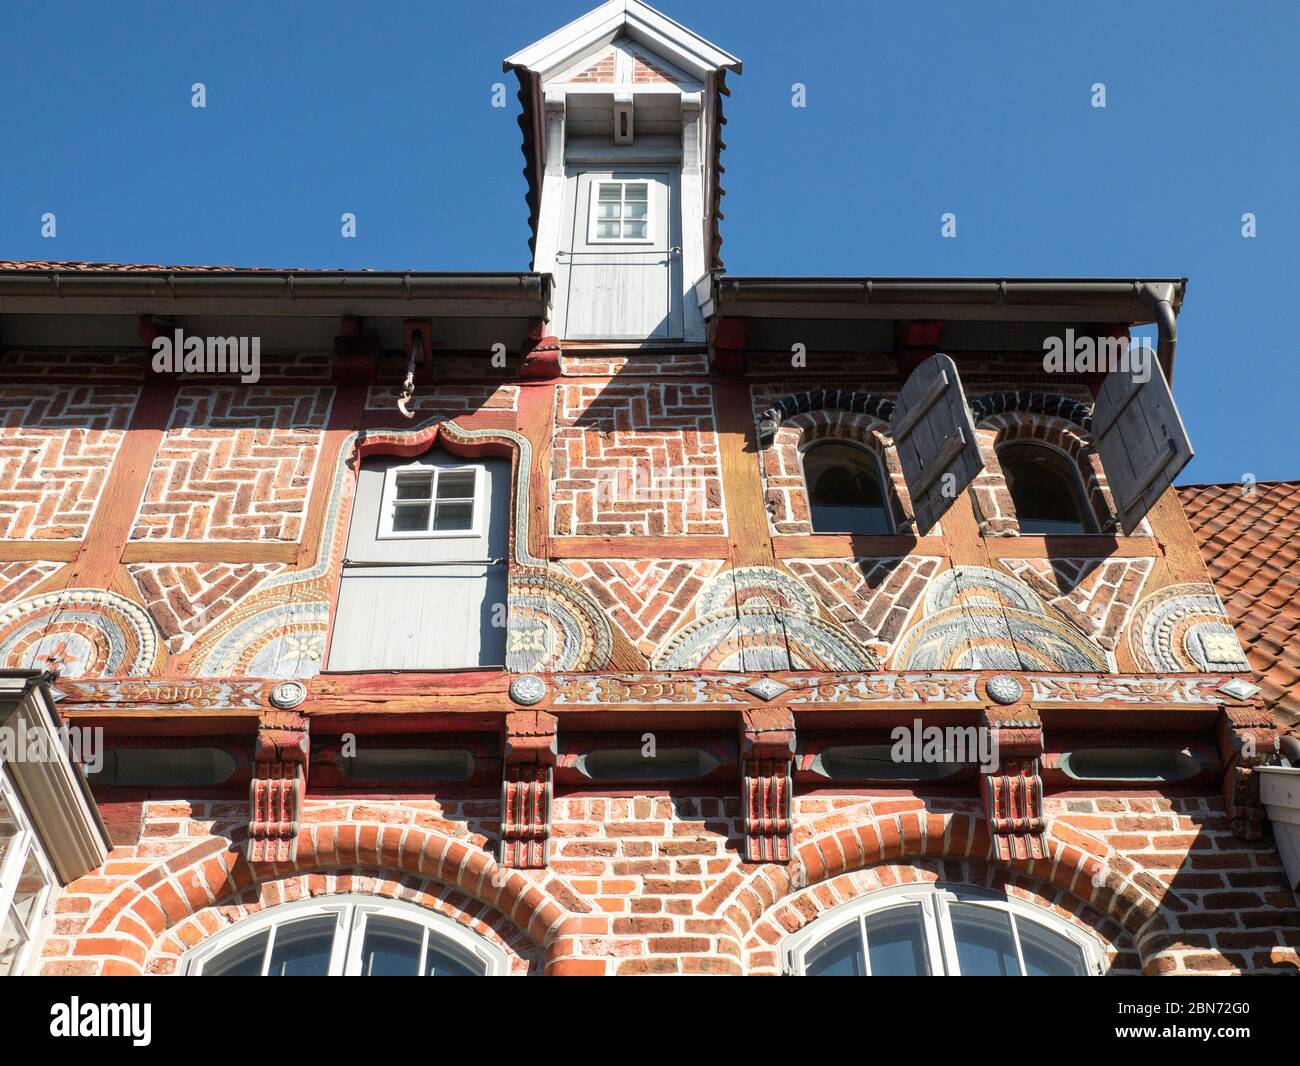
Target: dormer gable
[[621, 118]]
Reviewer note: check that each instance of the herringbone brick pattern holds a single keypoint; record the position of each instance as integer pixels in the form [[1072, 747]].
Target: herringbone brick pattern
[[870, 598], [1096, 595], [645, 598], [635, 460], [57, 443], [185, 598], [16, 579], [236, 464]]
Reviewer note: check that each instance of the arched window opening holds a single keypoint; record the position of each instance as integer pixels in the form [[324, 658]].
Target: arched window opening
[[1045, 490], [933, 931], [354, 936], [845, 489]]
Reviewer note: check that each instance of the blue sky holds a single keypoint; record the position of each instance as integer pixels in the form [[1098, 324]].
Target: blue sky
[[913, 110]]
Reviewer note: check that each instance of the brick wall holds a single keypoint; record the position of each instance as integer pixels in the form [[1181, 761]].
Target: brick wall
[[653, 883]]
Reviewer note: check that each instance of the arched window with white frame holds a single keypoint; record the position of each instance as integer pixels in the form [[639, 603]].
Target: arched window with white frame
[[351, 936], [846, 488], [941, 931]]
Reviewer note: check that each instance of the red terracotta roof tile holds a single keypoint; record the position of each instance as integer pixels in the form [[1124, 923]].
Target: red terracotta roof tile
[[1251, 545]]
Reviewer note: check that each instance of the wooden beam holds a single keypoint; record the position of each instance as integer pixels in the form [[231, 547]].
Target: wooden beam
[[208, 551], [701, 547], [110, 529], [742, 483]]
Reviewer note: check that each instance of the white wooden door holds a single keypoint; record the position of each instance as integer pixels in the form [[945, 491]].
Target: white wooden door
[[621, 268], [417, 601]]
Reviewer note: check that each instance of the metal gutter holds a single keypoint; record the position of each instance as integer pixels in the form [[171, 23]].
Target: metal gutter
[[274, 284], [1134, 301]]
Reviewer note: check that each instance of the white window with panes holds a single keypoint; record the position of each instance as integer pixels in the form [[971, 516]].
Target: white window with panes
[[26, 883], [620, 213], [421, 501], [941, 931]]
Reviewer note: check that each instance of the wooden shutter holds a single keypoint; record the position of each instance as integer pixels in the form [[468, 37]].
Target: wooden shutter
[[1140, 439], [934, 435]]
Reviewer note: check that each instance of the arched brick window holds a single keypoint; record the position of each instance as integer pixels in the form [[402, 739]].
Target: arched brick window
[[1056, 424], [346, 935], [941, 930], [792, 429]]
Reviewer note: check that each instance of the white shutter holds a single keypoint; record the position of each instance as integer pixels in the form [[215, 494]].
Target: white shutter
[[1140, 439], [934, 435]]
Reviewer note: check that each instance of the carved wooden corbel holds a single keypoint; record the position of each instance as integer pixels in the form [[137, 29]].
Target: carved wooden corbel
[[767, 738], [528, 773], [1247, 737], [279, 785], [1012, 791]]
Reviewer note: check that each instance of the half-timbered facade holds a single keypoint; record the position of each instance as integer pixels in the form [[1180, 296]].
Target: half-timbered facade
[[621, 616]]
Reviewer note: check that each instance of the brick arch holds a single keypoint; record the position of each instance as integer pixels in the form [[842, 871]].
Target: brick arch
[[785, 490], [132, 924], [1069, 436], [844, 846]]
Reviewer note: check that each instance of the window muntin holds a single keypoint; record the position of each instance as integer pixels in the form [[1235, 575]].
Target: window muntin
[[427, 501], [26, 883], [845, 489], [1045, 489], [347, 936], [939, 930], [620, 212]]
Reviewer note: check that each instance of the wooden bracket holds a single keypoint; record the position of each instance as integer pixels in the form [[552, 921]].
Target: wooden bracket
[[356, 355], [527, 785], [731, 346], [279, 785], [767, 739], [1247, 736], [1012, 791], [917, 341], [542, 361]]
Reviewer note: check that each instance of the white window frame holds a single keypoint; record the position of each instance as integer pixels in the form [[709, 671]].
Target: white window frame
[[1078, 486], [877, 465], [389, 499], [593, 197], [351, 912], [935, 900], [25, 845]]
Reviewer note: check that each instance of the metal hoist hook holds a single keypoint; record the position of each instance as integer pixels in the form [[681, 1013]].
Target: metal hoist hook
[[408, 386]]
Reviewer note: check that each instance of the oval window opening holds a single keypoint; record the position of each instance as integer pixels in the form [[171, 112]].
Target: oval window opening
[[874, 762], [153, 767], [1130, 764], [408, 764], [628, 764]]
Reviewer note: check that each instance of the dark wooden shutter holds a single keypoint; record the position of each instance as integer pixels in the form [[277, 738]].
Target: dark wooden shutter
[[934, 435], [1140, 439]]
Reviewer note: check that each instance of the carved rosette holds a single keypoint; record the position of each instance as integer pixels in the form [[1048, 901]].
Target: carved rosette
[[279, 786], [527, 785], [1012, 791], [767, 741]]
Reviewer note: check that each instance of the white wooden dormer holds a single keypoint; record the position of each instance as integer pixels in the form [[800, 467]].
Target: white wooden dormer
[[622, 109]]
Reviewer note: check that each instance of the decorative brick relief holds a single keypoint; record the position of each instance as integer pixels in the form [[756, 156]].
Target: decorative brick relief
[[871, 598], [1184, 628], [757, 618], [634, 460], [645, 598], [80, 633], [57, 443], [976, 618], [186, 598], [236, 463], [1097, 595]]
